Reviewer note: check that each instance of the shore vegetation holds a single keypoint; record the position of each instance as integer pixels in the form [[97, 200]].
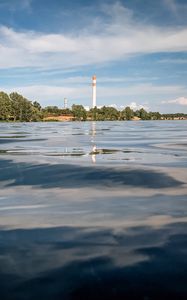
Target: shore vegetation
[[16, 108]]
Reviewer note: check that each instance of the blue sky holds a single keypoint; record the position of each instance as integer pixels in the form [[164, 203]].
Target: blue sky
[[137, 48]]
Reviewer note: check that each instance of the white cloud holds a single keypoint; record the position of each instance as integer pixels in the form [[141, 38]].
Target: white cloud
[[117, 39], [14, 5], [180, 101], [140, 89], [53, 95], [174, 61], [112, 105], [104, 80], [177, 8], [135, 106], [172, 6], [82, 93]]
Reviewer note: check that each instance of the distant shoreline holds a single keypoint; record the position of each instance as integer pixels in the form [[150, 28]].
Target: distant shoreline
[[51, 120], [16, 108], [65, 119]]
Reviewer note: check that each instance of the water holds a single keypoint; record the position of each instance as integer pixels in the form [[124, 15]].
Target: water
[[93, 210]]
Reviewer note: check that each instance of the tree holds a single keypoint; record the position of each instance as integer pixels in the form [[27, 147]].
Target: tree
[[110, 113], [66, 111], [93, 113], [127, 113], [144, 115], [79, 112], [104, 113], [155, 115], [22, 109], [37, 105], [5, 106], [52, 110]]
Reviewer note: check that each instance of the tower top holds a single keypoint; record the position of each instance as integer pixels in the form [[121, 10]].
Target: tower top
[[94, 77]]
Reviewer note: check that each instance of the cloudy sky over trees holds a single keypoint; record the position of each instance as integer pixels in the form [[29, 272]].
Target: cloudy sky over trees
[[138, 50]]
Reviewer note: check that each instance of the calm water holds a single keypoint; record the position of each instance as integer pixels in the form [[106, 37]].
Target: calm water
[[93, 210]]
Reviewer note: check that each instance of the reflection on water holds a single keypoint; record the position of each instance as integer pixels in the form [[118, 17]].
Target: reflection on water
[[94, 147], [93, 210]]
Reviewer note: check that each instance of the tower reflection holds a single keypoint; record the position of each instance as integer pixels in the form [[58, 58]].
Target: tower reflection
[[93, 144]]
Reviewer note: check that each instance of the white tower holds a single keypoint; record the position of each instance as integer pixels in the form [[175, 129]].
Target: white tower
[[94, 91]]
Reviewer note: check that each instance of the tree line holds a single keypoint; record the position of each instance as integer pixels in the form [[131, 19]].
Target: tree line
[[15, 107]]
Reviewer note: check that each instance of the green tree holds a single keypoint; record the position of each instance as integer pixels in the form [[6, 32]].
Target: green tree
[[22, 109], [110, 113], [52, 110], [127, 113], [37, 115], [66, 112], [104, 113], [79, 112], [93, 113], [155, 116], [5, 107], [144, 114], [37, 105]]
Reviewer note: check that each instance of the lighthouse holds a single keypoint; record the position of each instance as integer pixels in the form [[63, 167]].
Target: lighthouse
[[94, 91]]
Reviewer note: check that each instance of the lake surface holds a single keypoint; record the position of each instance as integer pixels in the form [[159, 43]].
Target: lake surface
[[93, 210]]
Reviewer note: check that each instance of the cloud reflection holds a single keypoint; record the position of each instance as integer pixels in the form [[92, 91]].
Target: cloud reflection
[[77, 176], [94, 263]]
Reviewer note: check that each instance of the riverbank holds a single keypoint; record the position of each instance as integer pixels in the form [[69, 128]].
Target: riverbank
[[64, 118]]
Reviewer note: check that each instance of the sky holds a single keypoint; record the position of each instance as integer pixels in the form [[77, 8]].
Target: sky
[[49, 51]]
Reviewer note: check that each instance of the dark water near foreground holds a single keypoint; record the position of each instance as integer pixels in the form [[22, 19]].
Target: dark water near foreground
[[93, 210]]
